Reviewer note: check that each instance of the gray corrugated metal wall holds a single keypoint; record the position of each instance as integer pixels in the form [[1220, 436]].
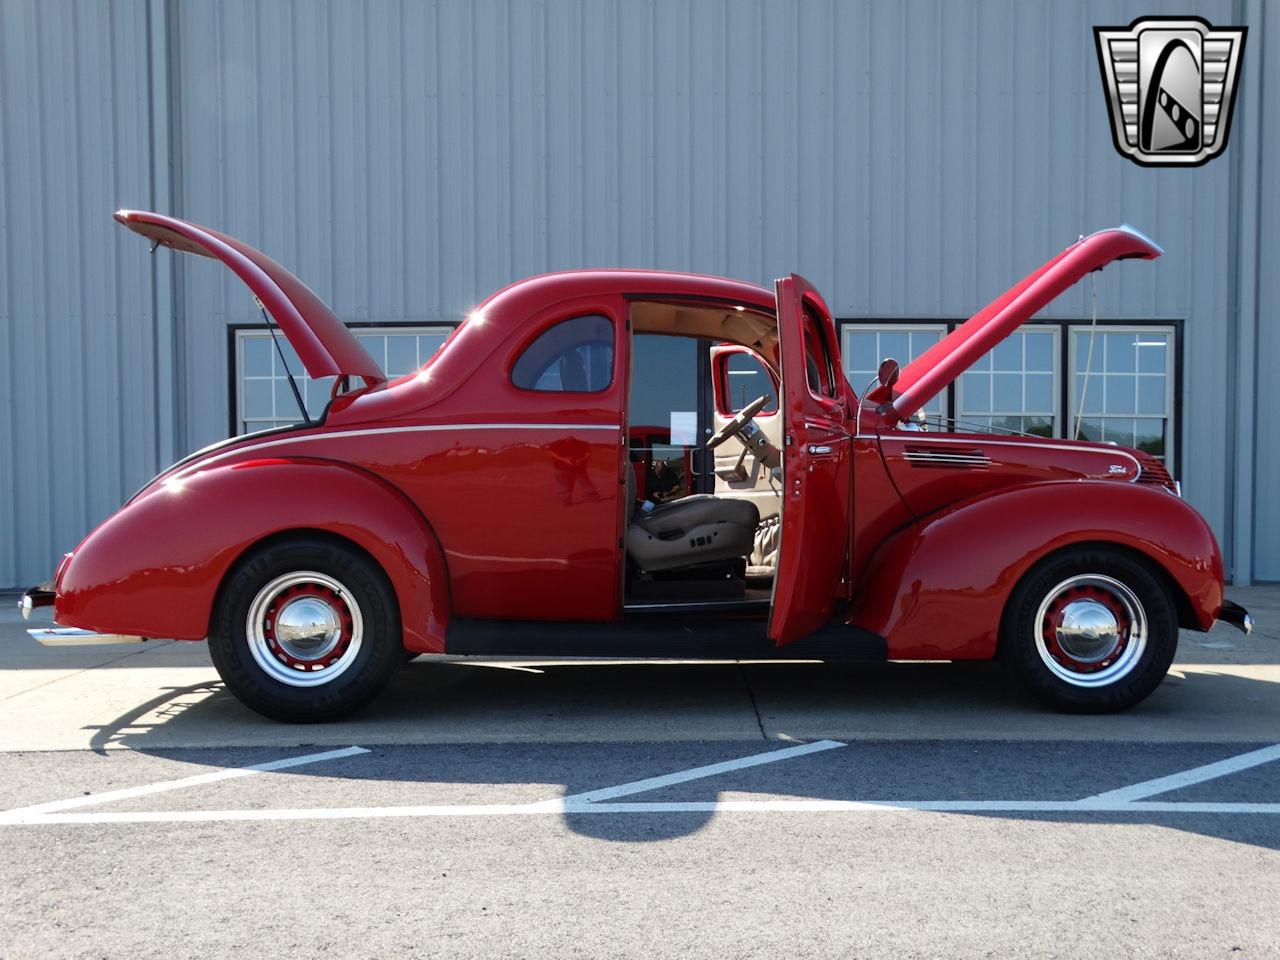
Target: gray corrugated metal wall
[[1266, 142], [405, 159], [76, 311]]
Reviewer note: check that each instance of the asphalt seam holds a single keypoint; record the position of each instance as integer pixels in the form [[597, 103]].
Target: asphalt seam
[[751, 695]]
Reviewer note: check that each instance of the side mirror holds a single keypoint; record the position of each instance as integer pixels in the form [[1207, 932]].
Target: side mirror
[[888, 371]]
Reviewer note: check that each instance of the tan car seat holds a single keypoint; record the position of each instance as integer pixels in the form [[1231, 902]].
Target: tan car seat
[[763, 561], [692, 530]]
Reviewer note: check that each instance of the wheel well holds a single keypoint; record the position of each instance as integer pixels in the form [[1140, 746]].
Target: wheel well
[[300, 533], [1181, 602]]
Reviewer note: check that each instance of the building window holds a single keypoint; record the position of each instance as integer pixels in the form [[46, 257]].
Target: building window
[[1126, 396], [1014, 386], [263, 398], [865, 345], [1024, 382]]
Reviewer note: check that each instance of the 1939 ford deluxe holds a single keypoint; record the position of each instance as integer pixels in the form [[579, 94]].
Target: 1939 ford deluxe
[[500, 501]]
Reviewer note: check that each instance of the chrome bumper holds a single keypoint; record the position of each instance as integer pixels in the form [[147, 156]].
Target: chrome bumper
[[1236, 615], [43, 596], [40, 596], [74, 637]]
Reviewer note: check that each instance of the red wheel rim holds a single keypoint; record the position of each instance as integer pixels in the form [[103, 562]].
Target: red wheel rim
[[1053, 620], [291, 656]]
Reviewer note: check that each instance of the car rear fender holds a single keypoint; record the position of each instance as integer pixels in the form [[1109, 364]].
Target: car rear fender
[[937, 589], [154, 568]]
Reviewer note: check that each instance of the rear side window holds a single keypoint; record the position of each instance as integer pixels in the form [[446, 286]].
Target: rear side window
[[574, 356]]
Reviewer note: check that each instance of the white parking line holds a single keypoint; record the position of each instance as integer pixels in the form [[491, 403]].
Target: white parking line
[[926, 806], [165, 785], [1187, 778], [698, 773], [543, 808], [1127, 800]]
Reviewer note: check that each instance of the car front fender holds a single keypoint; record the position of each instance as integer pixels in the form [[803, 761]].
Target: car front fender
[[154, 567], [937, 589]]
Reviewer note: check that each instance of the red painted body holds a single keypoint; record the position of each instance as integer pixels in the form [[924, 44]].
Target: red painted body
[[482, 500]]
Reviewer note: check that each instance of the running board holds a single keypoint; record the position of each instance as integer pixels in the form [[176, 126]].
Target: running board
[[656, 637], [74, 637], [694, 607]]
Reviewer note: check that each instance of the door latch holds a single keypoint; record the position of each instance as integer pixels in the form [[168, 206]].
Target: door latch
[[819, 448]]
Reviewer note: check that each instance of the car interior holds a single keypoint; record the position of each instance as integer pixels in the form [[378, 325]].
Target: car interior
[[691, 547]]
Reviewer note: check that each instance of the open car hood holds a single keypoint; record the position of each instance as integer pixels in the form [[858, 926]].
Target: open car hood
[[930, 373], [323, 343]]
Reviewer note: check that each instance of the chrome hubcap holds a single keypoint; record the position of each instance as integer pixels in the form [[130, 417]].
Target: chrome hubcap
[[1091, 630], [1088, 630], [307, 628], [304, 629]]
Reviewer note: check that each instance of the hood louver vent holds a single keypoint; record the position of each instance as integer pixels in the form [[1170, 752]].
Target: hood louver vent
[[947, 457], [1155, 473]]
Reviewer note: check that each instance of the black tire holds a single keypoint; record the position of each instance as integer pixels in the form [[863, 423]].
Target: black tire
[[373, 650], [1041, 657]]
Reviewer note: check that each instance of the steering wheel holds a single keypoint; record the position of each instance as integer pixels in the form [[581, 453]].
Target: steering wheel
[[734, 426]]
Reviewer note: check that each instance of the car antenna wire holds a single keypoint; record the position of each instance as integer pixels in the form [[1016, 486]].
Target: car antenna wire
[[293, 384]]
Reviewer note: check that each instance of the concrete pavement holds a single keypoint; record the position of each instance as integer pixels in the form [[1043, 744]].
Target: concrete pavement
[[1224, 687], [707, 810], [703, 883]]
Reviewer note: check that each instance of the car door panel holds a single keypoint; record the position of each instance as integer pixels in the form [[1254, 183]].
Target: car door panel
[[817, 487]]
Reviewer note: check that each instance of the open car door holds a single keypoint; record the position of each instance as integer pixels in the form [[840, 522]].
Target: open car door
[[817, 486]]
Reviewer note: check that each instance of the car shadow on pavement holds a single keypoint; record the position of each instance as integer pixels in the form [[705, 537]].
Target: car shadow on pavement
[[917, 732]]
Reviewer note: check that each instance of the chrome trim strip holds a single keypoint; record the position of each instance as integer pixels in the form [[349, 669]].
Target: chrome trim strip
[[921, 458], [377, 431], [945, 458], [946, 463], [924, 455]]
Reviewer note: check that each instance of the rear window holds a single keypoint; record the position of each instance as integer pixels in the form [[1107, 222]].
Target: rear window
[[574, 356]]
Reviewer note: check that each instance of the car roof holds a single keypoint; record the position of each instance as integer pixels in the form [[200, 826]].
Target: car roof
[[518, 298]]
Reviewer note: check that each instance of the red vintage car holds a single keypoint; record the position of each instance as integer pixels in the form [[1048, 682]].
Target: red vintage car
[[486, 504]]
